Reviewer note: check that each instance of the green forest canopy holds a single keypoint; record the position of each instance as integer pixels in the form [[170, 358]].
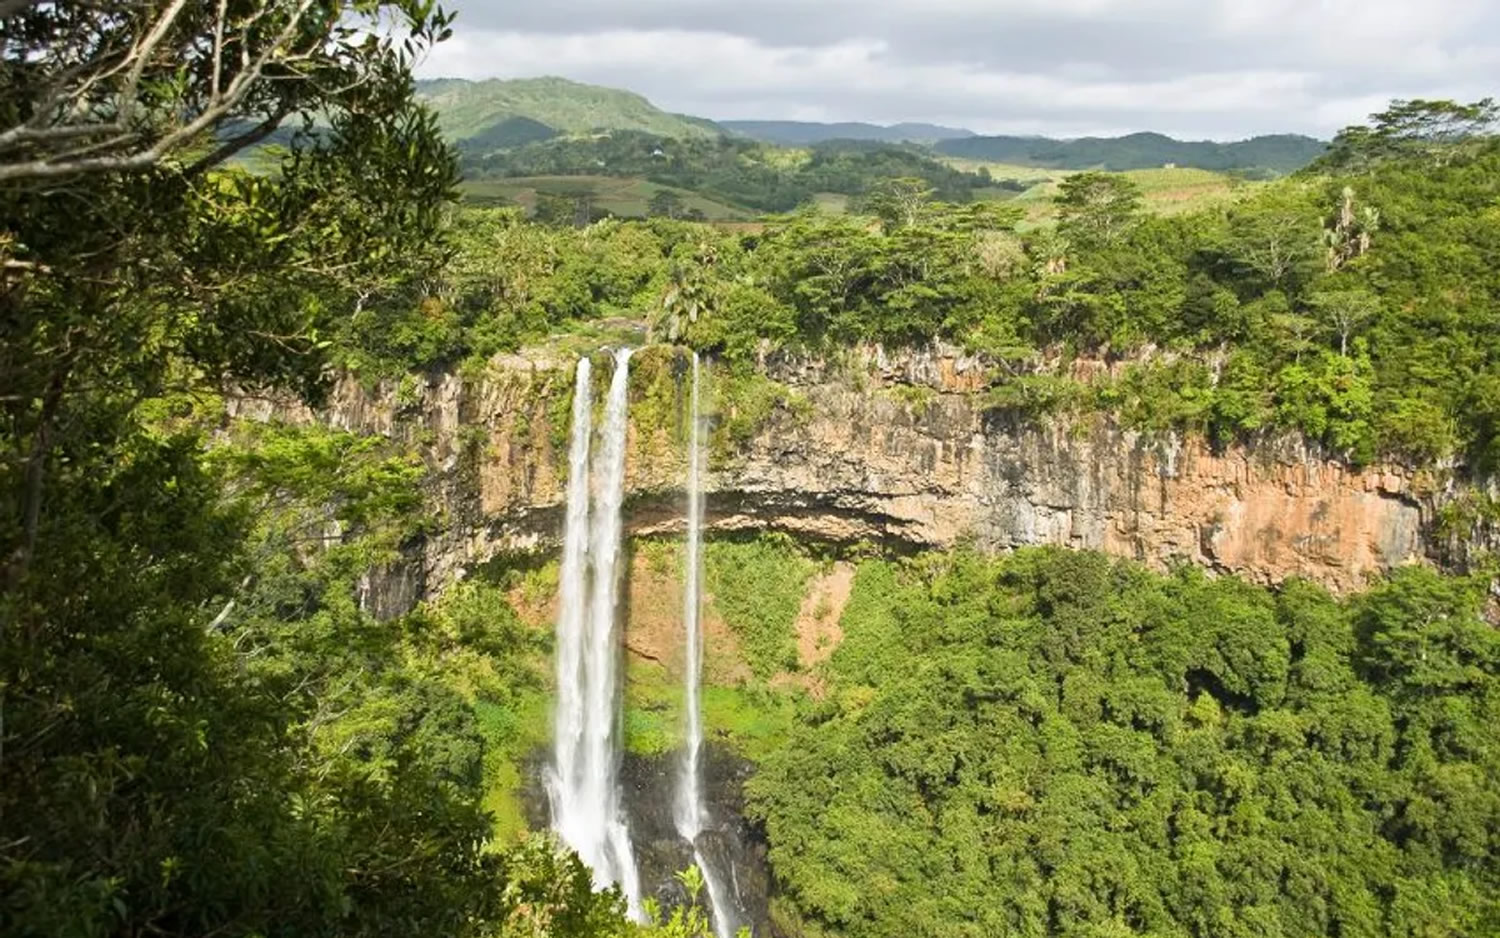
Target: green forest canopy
[[1055, 744], [741, 172]]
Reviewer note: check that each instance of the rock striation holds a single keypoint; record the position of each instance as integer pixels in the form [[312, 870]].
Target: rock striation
[[899, 450]]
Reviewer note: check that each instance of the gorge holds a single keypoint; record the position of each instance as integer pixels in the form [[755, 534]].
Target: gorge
[[883, 452]]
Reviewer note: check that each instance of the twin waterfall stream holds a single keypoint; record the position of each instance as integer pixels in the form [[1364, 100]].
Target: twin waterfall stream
[[583, 784]]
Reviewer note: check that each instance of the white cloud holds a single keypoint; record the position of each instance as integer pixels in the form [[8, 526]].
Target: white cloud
[[1217, 68]]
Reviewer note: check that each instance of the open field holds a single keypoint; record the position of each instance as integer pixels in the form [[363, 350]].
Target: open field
[[625, 196], [1172, 191], [1165, 191], [1029, 174], [831, 203]]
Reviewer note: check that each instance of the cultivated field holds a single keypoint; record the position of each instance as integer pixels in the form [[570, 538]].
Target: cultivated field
[[624, 196], [1165, 191]]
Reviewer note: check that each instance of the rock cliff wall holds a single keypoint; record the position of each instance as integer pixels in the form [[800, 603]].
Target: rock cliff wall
[[899, 450]]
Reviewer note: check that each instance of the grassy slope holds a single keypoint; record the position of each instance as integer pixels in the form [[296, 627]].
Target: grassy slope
[[1165, 191], [467, 109], [622, 195]]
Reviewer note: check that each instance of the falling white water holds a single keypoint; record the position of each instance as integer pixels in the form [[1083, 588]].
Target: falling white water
[[565, 781], [583, 785], [688, 809]]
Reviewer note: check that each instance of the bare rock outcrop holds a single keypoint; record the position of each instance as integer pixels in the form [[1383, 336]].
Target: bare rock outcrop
[[899, 449]]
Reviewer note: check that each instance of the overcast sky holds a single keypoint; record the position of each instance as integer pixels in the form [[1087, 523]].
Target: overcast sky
[[1221, 69]]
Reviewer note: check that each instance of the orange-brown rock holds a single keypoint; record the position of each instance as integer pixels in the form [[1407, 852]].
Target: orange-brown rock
[[932, 468]]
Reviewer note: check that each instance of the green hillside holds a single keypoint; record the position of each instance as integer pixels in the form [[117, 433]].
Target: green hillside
[[470, 112], [806, 133], [729, 171], [511, 133], [1276, 153]]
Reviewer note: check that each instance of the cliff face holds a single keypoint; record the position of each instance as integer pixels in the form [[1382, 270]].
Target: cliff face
[[898, 450]]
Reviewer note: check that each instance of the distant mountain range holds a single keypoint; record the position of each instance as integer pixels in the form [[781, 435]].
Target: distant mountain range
[[1280, 153], [805, 133], [486, 116]]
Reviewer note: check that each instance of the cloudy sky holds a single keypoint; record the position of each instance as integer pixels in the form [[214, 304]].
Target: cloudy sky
[[1219, 69]]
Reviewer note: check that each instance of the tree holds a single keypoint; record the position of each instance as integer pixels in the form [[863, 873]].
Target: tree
[[132, 252], [121, 85], [570, 205], [1346, 311], [666, 203], [898, 203], [1351, 231], [153, 780], [690, 290], [1435, 131], [1297, 329], [1095, 209], [975, 217], [1276, 236]]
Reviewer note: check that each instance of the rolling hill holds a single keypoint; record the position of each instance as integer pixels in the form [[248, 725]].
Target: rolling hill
[[526, 140], [488, 115], [805, 133], [483, 117], [1277, 153]]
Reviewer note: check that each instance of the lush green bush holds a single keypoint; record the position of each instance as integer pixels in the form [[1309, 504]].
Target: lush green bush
[[757, 586]]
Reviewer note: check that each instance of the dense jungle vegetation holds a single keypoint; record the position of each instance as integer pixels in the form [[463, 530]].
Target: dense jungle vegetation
[[205, 730], [1055, 744]]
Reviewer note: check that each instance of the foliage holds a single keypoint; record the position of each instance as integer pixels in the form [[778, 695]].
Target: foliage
[[1095, 209], [1359, 310], [689, 920], [1054, 744], [1433, 132], [757, 586], [207, 728], [117, 86], [744, 402]]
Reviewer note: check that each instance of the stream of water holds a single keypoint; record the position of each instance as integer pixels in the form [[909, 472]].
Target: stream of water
[[688, 810]]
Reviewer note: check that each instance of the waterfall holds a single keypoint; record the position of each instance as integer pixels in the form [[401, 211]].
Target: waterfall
[[583, 784], [688, 807]]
